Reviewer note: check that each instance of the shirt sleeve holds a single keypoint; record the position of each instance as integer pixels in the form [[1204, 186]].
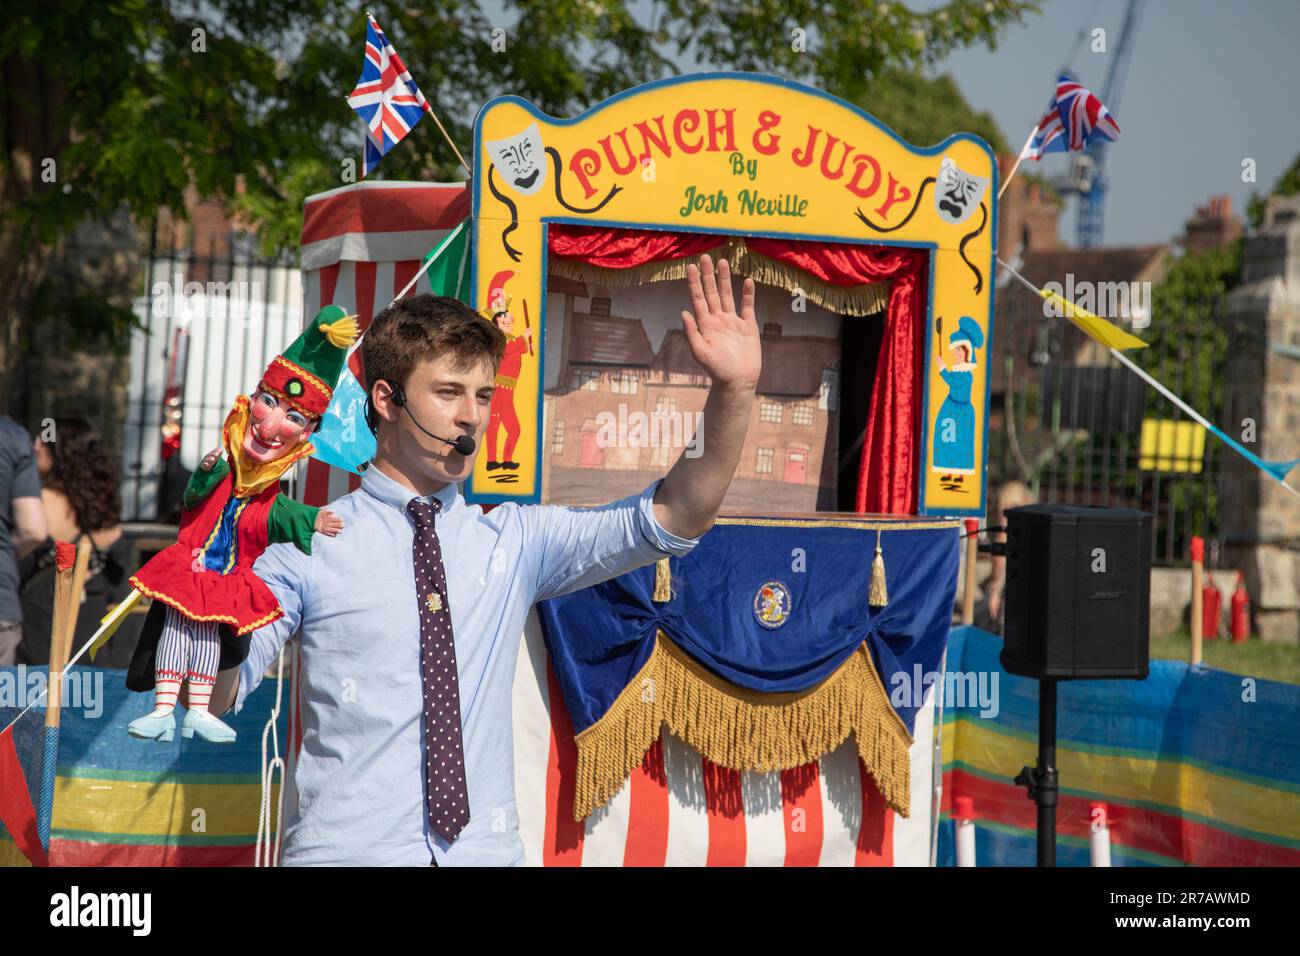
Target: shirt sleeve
[[26, 481], [575, 548], [287, 572]]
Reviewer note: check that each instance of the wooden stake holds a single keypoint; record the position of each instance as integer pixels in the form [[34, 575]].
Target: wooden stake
[[58, 646]]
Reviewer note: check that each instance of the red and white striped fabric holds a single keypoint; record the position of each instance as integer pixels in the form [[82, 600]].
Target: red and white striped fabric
[[679, 810], [360, 245]]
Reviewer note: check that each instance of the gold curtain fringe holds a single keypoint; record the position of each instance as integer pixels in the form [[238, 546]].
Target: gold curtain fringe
[[842, 300], [663, 581], [743, 729]]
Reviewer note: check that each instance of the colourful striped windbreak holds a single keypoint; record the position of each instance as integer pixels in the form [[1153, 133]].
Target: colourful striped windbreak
[[120, 801], [1196, 766]]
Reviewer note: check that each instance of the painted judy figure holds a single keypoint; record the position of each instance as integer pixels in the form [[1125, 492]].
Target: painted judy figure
[[954, 429], [207, 600]]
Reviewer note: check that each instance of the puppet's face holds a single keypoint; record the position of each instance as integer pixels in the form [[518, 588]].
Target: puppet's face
[[275, 428], [505, 322], [958, 354]]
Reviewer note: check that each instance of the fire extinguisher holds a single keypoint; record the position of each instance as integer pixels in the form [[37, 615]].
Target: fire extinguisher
[[1211, 598], [1240, 611]]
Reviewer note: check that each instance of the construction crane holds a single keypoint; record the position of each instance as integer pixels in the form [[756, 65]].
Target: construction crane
[[1088, 173]]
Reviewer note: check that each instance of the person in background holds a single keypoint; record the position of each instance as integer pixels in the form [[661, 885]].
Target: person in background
[[988, 612], [80, 500], [22, 527]]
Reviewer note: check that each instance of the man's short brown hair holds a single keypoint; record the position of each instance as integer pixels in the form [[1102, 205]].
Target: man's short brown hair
[[427, 327]]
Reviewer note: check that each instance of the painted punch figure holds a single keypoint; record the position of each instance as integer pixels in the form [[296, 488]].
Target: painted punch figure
[[954, 431], [502, 413], [206, 599]]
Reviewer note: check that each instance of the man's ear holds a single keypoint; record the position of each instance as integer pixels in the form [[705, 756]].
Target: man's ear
[[382, 390]]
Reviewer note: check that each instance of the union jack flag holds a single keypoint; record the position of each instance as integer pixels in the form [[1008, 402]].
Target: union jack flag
[[386, 97], [1075, 119]]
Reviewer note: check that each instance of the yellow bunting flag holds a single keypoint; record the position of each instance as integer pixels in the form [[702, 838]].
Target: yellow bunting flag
[[111, 621], [1107, 333]]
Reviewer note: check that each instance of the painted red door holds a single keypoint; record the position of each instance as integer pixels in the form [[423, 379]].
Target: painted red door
[[593, 456], [796, 466]]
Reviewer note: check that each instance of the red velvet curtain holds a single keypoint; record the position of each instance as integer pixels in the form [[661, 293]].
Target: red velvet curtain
[[625, 248], [887, 479]]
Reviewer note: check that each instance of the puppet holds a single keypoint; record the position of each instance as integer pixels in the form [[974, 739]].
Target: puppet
[[207, 600]]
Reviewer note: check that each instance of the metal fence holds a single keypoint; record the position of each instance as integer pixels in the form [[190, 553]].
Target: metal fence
[[1078, 428], [212, 315]]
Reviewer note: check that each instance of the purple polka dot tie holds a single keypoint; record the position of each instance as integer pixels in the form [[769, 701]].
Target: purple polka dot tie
[[446, 795]]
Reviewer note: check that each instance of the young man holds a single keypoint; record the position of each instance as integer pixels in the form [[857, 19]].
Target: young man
[[411, 618]]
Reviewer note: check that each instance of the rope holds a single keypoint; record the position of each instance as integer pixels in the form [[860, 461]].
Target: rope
[[271, 857]]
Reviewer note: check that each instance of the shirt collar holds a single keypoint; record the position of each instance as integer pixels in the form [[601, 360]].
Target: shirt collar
[[391, 492]]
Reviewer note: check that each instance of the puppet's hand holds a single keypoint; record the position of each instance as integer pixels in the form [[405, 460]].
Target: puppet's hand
[[327, 522], [210, 459]]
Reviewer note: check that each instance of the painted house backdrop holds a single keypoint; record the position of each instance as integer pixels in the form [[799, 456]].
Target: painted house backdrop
[[617, 362]]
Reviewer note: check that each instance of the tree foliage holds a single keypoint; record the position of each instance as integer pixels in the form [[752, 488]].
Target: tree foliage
[[137, 104]]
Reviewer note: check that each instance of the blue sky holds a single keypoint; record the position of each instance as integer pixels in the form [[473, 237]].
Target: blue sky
[[1209, 84]]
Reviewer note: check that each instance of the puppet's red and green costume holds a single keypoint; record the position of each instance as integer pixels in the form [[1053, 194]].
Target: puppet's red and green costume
[[231, 513]]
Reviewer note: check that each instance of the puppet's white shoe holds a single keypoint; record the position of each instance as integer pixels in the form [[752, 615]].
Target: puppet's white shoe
[[161, 727], [212, 729]]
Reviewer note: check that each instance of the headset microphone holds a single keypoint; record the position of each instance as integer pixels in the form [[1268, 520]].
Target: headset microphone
[[464, 445]]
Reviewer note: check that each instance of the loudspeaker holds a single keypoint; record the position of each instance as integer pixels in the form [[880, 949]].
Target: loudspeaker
[[1078, 592]]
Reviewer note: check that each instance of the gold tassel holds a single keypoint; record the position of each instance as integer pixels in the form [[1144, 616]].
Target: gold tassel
[[879, 594], [741, 729], [663, 581], [342, 332]]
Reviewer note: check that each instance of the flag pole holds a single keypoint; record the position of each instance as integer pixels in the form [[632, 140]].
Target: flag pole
[[424, 267], [442, 129], [1011, 175]]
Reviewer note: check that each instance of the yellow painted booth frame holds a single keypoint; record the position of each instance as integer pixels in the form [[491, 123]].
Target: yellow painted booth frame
[[737, 154]]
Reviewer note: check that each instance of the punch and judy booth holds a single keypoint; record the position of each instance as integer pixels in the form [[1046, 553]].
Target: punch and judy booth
[[761, 700]]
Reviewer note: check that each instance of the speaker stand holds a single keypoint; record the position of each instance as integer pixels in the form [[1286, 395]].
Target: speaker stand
[[1042, 781]]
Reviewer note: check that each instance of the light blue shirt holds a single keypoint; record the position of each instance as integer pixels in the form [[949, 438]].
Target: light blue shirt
[[360, 773]]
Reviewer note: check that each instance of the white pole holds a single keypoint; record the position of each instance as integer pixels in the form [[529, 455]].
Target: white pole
[[964, 815], [1011, 175], [1142, 374], [1099, 835], [111, 620], [936, 794]]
